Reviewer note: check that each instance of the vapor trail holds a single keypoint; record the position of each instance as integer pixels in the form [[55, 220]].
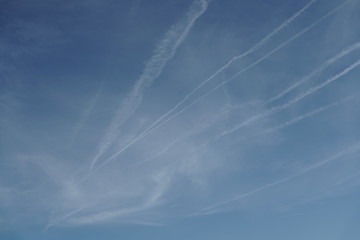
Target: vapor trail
[[314, 24], [294, 100], [247, 52], [343, 53], [348, 178], [352, 149], [288, 123], [87, 113], [164, 51], [306, 115], [200, 127], [159, 153]]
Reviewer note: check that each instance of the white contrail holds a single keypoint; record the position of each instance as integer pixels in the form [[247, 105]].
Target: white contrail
[[247, 52], [352, 149], [330, 61], [54, 221], [223, 112], [288, 123], [311, 26], [164, 51], [159, 153], [87, 113], [292, 101], [348, 178], [306, 115]]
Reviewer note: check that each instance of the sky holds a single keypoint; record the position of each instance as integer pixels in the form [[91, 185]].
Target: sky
[[196, 119]]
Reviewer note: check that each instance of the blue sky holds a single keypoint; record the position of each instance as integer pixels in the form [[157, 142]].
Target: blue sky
[[196, 119]]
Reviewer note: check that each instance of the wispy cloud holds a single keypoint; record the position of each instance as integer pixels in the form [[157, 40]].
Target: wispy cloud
[[323, 66]]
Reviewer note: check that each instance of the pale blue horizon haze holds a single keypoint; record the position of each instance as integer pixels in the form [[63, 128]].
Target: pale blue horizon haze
[[181, 119]]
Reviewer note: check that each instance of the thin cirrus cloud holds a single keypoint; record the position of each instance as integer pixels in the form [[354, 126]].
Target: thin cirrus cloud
[[175, 149]]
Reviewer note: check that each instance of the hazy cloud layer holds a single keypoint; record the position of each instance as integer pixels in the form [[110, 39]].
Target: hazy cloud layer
[[144, 113]]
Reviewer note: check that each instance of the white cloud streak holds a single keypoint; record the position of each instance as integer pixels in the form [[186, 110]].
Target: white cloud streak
[[164, 51], [347, 151], [85, 115], [326, 64], [292, 101], [306, 115], [289, 122], [348, 178], [159, 153]]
